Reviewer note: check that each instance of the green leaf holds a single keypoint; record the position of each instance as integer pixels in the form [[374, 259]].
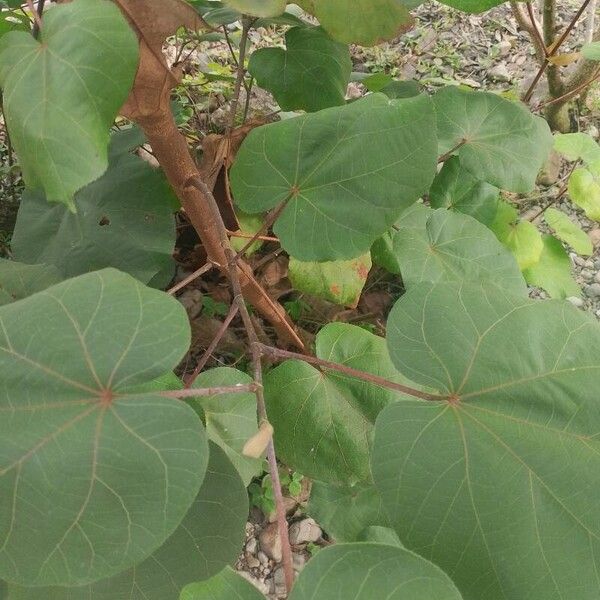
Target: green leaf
[[392, 88], [498, 484], [227, 585], [591, 51], [569, 232], [455, 188], [12, 21], [522, 238], [584, 190], [258, 8], [375, 156], [444, 246], [553, 271], [323, 420], [340, 281], [62, 93], [249, 225], [230, 419], [365, 571], [344, 511], [312, 73], [17, 281], [380, 535], [576, 146], [363, 22], [501, 141], [208, 539], [382, 253], [472, 6], [94, 476], [123, 220]]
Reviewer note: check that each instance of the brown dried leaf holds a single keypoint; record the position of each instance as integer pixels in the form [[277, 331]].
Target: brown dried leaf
[[256, 446]]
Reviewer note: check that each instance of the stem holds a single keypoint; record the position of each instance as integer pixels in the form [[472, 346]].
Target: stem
[[211, 347], [241, 71], [534, 29], [571, 93], [560, 194], [38, 21], [197, 273], [277, 354], [447, 155], [211, 391], [256, 354], [269, 221], [36, 18], [247, 236]]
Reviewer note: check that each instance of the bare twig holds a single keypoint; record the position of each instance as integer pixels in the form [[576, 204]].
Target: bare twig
[[241, 71], [37, 25], [212, 346], [447, 155], [268, 223], [558, 196], [534, 29], [590, 24], [277, 354], [211, 391], [197, 273], [253, 237], [571, 93], [36, 16]]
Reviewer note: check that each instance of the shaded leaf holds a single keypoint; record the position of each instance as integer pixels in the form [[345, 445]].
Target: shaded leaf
[[17, 281], [375, 155], [94, 476], [345, 511], [123, 220], [380, 535], [227, 585], [364, 22], [455, 188], [340, 281], [502, 142], [444, 246], [472, 6], [323, 420], [569, 232], [208, 539], [312, 73], [364, 571], [553, 271], [59, 131], [502, 479], [258, 8], [230, 418]]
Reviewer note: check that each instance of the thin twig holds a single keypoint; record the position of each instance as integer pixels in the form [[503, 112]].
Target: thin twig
[[253, 237], [278, 354], [37, 25], [447, 155], [36, 16], [268, 223], [568, 95], [211, 391], [560, 194], [241, 72], [197, 273], [212, 346], [534, 28]]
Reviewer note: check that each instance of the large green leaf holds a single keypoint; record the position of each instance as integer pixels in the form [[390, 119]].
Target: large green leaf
[[312, 73], [208, 539], [344, 511], [62, 93], [339, 281], [502, 142], [226, 585], [584, 190], [576, 146], [375, 156], [17, 281], [123, 220], [499, 483], [367, 571], [323, 420], [569, 232], [258, 8], [444, 246], [94, 476], [553, 270], [364, 22], [230, 418], [455, 188]]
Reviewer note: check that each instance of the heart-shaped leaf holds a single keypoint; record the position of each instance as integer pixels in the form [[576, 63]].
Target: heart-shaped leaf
[[123, 220], [498, 482], [498, 141], [323, 420], [569, 232], [227, 585], [584, 190], [365, 571], [576, 146], [444, 246], [17, 281], [345, 511], [456, 189], [364, 22], [312, 73], [553, 271], [202, 545], [94, 474], [374, 156], [230, 419], [59, 131], [340, 281]]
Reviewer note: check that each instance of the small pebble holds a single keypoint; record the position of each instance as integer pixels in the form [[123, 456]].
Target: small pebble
[[575, 301], [304, 531], [593, 290]]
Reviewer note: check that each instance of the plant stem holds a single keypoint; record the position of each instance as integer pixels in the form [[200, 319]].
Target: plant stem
[[447, 155], [38, 21], [241, 71], [212, 346], [269, 221], [277, 354], [211, 391], [36, 17], [197, 273]]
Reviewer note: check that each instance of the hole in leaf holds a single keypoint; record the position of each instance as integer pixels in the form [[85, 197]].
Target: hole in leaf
[[104, 221]]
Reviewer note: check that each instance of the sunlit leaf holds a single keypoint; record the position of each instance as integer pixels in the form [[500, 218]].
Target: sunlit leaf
[[569, 232], [577, 146], [584, 190]]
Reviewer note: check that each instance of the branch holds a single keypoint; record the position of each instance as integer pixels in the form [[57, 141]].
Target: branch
[[193, 276], [241, 71], [277, 354], [529, 25]]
